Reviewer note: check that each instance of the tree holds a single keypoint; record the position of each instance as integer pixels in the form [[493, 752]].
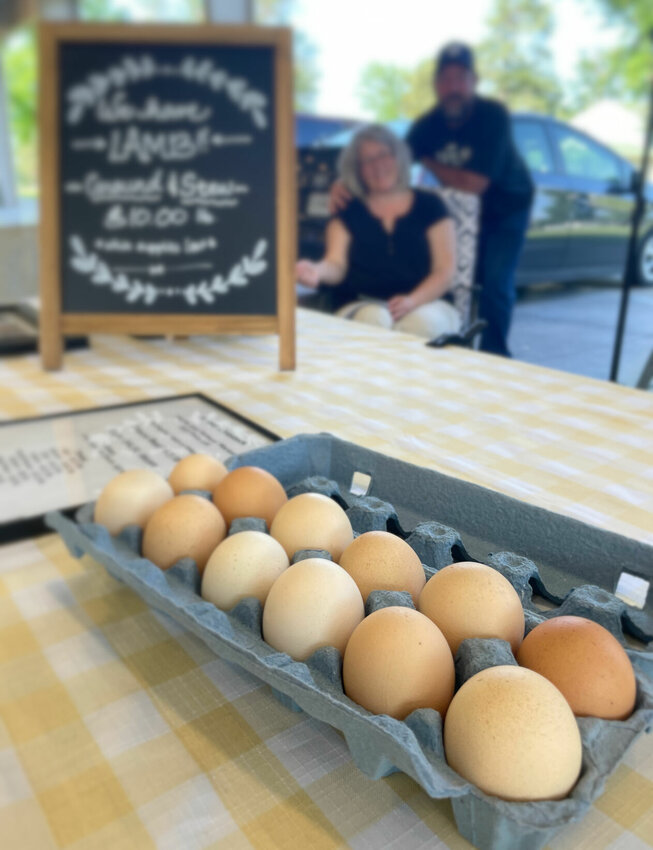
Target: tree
[[306, 75], [630, 63], [20, 72], [515, 60], [389, 92], [382, 89], [595, 79], [123, 10]]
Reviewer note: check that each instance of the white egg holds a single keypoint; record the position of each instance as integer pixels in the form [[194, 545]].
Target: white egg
[[313, 603], [131, 498], [245, 564]]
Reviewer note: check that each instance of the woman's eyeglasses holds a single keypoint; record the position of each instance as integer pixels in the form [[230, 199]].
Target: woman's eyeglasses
[[372, 160]]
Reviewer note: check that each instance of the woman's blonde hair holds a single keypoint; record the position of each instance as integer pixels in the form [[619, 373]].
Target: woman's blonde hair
[[349, 166]]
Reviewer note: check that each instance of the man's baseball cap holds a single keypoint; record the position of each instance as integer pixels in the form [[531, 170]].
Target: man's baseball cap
[[455, 53]]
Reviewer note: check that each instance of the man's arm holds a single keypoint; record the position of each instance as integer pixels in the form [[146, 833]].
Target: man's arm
[[457, 178], [339, 197]]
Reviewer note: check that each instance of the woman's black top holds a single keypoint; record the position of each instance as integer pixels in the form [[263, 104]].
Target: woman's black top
[[383, 264]]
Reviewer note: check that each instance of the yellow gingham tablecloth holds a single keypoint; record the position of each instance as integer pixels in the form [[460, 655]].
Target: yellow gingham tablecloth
[[118, 730]]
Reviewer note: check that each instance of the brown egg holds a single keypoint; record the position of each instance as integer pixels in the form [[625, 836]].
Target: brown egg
[[197, 472], [397, 660], [512, 733], [378, 560], [187, 526], [470, 600], [312, 521], [586, 663], [249, 491], [130, 499]]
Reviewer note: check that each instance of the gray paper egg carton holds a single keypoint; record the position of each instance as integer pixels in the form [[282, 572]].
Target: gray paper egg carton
[[379, 744]]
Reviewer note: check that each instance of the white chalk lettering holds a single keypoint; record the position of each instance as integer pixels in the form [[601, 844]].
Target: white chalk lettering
[[141, 189], [118, 218], [193, 188], [118, 246], [196, 246], [116, 109], [132, 143], [158, 249]]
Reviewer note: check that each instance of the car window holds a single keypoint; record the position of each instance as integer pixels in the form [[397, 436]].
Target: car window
[[533, 145], [582, 158]]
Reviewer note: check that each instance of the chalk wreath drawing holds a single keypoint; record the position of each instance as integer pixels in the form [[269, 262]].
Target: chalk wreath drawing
[[89, 264], [202, 71], [130, 70]]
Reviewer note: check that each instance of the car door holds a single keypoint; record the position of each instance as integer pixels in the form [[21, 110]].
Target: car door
[[602, 203], [544, 256]]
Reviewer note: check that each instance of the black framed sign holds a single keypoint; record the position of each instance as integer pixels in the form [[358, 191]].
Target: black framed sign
[[61, 461], [167, 181]]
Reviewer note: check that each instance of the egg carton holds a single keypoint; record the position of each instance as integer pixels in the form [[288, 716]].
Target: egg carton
[[380, 744]]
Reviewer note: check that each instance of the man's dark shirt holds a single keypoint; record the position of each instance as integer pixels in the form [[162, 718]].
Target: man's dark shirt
[[482, 143]]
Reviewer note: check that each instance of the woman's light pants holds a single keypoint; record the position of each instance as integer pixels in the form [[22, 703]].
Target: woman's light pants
[[429, 321]]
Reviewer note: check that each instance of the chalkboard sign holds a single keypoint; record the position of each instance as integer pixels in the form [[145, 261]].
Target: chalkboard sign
[[167, 182]]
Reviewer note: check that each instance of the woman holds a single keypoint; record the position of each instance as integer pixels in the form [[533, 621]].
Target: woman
[[391, 251]]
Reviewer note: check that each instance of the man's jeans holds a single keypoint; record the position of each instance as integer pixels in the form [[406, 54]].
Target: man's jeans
[[500, 246]]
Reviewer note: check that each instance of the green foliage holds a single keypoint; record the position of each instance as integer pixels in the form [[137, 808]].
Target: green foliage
[[390, 92], [630, 64], [515, 64], [515, 61], [306, 75], [595, 79], [147, 10], [20, 72]]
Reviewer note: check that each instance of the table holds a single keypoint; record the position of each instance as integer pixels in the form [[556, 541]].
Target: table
[[118, 730]]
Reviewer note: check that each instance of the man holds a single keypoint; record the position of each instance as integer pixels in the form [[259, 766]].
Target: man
[[466, 142]]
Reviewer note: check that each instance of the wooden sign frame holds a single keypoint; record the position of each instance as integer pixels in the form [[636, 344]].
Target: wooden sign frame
[[54, 323]]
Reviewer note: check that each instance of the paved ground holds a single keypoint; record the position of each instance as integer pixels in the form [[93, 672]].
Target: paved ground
[[573, 329]]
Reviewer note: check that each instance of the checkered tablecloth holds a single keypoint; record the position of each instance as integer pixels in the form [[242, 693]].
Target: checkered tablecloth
[[118, 730]]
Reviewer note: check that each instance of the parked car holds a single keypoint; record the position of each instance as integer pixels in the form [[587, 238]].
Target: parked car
[[582, 210]]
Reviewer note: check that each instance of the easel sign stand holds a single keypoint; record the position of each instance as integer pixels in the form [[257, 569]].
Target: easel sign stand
[[167, 182]]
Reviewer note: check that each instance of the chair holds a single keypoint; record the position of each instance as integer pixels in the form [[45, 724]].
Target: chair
[[464, 209]]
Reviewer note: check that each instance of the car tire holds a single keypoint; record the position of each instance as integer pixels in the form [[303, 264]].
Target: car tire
[[645, 260]]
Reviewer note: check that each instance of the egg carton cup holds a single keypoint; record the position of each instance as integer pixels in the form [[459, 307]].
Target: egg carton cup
[[379, 744]]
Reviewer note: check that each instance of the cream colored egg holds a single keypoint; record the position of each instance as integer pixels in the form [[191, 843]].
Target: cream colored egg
[[130, 499], [187, 526], [249, 491], [469, 600], [197, 472], [512, 733], [313, 603], [378, 560], [586, 663], [397, 660], [243, 565], [312, 521]]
